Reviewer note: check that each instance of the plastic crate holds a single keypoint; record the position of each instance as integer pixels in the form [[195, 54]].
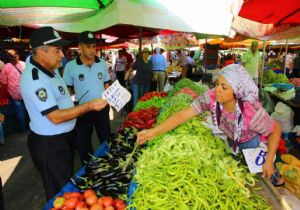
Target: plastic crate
[[70, 187]]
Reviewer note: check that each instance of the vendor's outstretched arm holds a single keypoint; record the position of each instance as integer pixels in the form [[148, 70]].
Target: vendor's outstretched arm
[[273, 142], [172, 122]]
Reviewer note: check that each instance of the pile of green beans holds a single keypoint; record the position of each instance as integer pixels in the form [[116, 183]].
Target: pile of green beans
[[189, 168]]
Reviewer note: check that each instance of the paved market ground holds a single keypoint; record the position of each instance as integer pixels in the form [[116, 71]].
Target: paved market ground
[[23, 187]]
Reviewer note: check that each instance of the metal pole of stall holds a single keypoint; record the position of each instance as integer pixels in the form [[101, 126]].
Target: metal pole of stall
[[263, 63], [100, 45], [285, 59], [140, 40]]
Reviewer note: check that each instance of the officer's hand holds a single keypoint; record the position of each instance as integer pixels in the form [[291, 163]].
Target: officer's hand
[[1, 117], [97, 104]]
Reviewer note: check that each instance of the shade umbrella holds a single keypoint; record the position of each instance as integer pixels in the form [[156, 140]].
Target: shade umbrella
[[190, 16], [21, 12]]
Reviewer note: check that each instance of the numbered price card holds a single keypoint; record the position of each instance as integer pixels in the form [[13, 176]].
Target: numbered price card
[[255, 158], [116, 95]]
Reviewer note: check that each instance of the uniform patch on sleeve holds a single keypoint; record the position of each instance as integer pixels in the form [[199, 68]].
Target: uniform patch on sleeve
[[41, 93], [61, 90], [100, 76]]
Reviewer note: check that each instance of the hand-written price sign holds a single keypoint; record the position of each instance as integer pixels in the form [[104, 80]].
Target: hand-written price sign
[[116, 95], [255, 158]]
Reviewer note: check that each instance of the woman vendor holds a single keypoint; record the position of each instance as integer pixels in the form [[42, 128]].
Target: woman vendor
[[235, 108]]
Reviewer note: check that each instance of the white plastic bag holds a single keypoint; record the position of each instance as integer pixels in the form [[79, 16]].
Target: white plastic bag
[[284, 115], [168, 86]]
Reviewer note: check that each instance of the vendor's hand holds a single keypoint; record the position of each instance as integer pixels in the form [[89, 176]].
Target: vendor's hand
[[145, 135], [268, 169], [97, 104], [1, 117]]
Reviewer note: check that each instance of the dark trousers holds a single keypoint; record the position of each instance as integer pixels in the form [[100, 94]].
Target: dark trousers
[[84, 130], [21, 114], [120, 76], [53, 158]]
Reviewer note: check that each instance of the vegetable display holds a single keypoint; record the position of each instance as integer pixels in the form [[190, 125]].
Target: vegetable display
[[199, 89], [152, 94], [111, 175], [269, 77], [144, 118], [87, 200], [174, 104], [190, 169], [157, 102]]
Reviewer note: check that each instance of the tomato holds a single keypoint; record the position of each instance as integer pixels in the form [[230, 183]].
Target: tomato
[[96, 206], [59, 202], [68, 195], [100, 201], [107, 201], [65, 208], [109, 208], [71, 203], [76, 195], [92, 199], [81, 198], [120, 204], [80, 205], [88, 192]]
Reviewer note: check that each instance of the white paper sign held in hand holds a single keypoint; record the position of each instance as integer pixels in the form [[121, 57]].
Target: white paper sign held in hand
[[255, 158], [116, 95]]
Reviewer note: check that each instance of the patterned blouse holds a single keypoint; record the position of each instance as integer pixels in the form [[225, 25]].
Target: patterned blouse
[[11, 77], [256, 120]]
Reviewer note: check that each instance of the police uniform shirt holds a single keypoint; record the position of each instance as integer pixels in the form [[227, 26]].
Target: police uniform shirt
[[88, 82], [43, 93]]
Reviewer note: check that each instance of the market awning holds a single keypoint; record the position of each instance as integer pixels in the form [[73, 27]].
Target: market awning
[[275, 12], [265, 19], [20, 12], [190, 16]]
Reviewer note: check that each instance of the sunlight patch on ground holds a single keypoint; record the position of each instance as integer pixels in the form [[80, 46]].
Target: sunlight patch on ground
[[7, 168]]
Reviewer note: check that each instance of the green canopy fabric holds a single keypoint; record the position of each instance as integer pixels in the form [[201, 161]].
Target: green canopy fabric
[[23, 12], [89, 4]]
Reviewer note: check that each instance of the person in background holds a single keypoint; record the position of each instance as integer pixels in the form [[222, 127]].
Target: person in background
[[183, 63], [51, 110], [10, 77], [120, 67], [228, 60], [128, 59], [296, 67], [251, 59], [87, 76], [191, 65], [236, 110], [142, 79], [289, 64], [159, 65]]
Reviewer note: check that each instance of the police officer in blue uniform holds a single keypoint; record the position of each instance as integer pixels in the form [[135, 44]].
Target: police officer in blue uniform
[[87, 76], [51, 110]]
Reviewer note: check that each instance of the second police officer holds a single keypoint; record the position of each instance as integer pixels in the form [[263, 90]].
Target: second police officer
[[87, 76]]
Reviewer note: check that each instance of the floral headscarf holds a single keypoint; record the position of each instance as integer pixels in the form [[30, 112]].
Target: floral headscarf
[[245, 90]]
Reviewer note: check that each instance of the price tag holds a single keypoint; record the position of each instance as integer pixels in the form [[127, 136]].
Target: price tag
[[255, 158], [116, 95]]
